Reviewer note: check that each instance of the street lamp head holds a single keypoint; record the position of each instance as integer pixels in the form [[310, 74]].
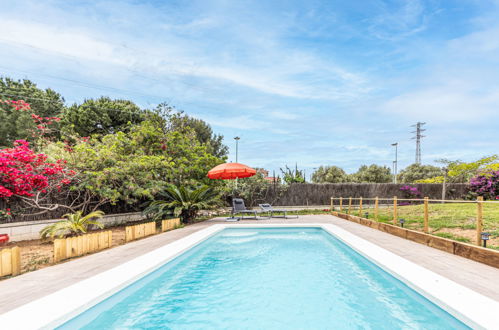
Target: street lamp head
[[395, 144], [237, 138]]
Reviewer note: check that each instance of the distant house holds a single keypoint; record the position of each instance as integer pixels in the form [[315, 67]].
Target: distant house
[[266, 176]]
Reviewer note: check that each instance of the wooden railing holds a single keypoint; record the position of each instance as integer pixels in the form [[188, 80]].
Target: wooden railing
[[170, 224], [138, 231], [65, 248], [349, 205], [10, 261]]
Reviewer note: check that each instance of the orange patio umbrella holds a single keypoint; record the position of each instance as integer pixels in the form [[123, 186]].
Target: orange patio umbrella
[[230, 171]]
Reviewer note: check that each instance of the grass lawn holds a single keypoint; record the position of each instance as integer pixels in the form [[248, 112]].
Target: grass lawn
[[456, 221]]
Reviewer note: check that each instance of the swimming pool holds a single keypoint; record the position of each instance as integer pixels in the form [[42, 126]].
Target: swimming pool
[[257, 278]]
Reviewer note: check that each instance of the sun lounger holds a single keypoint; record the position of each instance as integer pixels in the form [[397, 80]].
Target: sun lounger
[[270, 210], [238, 207]]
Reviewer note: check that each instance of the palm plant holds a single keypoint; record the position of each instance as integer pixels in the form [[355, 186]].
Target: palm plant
[[183, 202], [74, 224]]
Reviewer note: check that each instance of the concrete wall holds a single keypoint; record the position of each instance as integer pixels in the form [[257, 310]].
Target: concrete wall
[[20, 231]]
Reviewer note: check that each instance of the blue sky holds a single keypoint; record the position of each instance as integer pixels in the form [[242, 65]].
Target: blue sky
[[307, 82]]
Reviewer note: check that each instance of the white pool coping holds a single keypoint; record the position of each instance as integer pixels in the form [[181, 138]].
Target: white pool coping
[[472, 308]]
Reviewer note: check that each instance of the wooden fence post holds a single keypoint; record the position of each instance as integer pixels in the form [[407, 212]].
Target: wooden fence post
[[128, 233], [376, 208], [479, 220], [341, 204], [5, 262], [57, 249], [332, 204], [360, 207], [16, 260], [395, 215], [425, 220], [349, 204]]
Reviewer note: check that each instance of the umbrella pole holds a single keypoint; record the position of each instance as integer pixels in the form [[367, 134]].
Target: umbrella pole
[[232, 217]]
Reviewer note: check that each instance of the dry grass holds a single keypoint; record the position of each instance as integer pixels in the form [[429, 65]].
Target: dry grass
[[37, 254]]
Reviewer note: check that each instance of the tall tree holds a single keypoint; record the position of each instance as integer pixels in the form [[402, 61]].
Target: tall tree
[[329, 174], [415, 172], [292, 176], [20, 125], [101, 116], [372, 174], [171, 119], [462, 172], [205, 135], [136, 166]]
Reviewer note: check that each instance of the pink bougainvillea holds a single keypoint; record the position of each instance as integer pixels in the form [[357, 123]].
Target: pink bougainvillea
[[42, 124], [486, 184], [18, 105], [24, 172]]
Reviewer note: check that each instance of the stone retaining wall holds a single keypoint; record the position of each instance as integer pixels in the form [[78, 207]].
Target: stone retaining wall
[[21, 231]]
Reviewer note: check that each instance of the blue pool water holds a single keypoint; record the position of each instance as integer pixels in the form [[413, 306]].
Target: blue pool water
[[277, 278]]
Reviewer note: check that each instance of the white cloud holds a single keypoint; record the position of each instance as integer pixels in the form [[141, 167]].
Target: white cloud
[[408, 20], [443, 104], [236, 122], [283, 115], [64, 42], [272, 69]]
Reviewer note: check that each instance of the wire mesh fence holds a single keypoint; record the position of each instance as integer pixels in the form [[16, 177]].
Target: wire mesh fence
[[469, 221]]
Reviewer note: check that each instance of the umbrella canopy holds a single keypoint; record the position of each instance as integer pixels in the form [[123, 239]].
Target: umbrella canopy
[[230, 171]]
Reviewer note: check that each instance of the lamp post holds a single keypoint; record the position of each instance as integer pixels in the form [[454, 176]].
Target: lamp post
[[395, 162], [237, 138]]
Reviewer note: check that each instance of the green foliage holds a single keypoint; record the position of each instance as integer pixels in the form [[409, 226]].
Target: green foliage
[[329, 174], [205, 135], [101, 116], [136, 166], [435, 179], [74, 224], [372, 174], [453, 237], [183, 202], [415, 172], [292, 176], [172, 120], [18, 125], [462, 172]]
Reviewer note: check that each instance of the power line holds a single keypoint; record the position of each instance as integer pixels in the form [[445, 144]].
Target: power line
[[418, 138], [51, 100], [88, 85], [56, 101], [137, 73]]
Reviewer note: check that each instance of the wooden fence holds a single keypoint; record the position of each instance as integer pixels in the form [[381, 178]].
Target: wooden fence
[[138, 231], [70, 247], [10, 261], [355, 206], [170, 224], [301, 194]]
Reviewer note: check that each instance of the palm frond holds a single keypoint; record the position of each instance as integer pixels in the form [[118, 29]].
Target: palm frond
[[74, 224], [182, 202]]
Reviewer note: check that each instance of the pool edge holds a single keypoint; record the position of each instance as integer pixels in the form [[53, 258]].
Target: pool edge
[[468, 306]]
